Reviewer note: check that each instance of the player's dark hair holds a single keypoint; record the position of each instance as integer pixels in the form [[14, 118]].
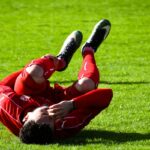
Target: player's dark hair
[[34, 133]]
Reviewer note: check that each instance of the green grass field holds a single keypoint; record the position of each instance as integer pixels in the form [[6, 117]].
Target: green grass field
[[29, 29]]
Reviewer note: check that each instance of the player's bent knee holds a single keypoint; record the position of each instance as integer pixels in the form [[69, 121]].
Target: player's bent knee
[[85, 85], [36, 72]]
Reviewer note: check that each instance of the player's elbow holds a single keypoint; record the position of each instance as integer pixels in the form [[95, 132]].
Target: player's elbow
[[108, 97]]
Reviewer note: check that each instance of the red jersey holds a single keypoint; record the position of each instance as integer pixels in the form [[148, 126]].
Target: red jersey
[[13, 108]]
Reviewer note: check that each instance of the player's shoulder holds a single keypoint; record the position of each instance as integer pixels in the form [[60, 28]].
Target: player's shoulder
[[5, 89]]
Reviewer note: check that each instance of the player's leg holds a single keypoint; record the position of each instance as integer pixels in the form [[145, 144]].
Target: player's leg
[[33, 79], [88, 77], [70, 45]]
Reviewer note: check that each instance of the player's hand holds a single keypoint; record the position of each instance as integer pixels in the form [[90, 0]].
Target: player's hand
[[61, 109]]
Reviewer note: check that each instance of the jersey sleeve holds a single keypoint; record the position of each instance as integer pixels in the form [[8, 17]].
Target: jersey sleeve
[[73, 123], [87, 107], [99, 98]]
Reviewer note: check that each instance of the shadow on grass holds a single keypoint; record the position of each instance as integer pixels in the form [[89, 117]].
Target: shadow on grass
[[104, 137], [104, 82], [126, 82]]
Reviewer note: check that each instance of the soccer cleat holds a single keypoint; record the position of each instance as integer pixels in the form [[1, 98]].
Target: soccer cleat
[[69, 47], [99, 33]]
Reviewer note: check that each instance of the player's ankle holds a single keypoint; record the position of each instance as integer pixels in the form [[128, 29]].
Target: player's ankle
[[87, 50], [61, 64]]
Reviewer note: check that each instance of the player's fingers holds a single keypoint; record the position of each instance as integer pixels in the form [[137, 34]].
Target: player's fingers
[[54, 106], [56, 115], [53, 110]]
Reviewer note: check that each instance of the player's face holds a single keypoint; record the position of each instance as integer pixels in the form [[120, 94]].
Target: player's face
[[40, 115]]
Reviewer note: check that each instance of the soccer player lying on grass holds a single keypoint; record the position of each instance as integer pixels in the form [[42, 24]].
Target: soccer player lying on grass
[[38, 113]]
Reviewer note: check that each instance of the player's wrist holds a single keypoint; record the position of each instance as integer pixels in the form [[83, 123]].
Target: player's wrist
[[73, 105]]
